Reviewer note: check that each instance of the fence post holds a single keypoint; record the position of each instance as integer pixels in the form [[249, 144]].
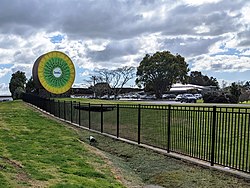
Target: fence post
[[117, 121], [80, 113], [213, 136], [169, 126], [101, 118], [89, 117], [139, 124], [59, 109], [71, 111], [54, 106]]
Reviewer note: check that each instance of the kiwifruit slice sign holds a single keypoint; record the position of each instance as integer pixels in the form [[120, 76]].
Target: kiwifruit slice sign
[[54, 71]]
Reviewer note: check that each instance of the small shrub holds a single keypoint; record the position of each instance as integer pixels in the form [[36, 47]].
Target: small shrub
[[219, 98]]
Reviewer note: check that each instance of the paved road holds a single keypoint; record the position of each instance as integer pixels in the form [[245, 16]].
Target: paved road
[[164, 102]]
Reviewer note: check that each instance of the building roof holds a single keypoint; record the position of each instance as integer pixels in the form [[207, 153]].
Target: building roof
[[178, 87]]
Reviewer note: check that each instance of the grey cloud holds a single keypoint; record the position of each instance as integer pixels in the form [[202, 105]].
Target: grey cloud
[[115, 49], [7, 42], [76, 18], [22, 67], [190, 46], [183, 19], [218, 66], [244, 39], [113, 19]]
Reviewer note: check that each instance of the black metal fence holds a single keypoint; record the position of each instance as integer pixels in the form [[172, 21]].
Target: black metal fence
[[219, 135]]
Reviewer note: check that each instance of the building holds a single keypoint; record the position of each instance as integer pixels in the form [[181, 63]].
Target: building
[[179, 88]]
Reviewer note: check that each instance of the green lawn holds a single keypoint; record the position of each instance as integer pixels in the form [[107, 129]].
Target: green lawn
[[38, 151], [191, 128]]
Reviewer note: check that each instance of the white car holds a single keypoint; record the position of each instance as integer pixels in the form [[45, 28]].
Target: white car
[[178, 97], [198, 96], [189, 98]]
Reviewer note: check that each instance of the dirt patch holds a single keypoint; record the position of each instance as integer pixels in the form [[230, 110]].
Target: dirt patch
[[13, 163], [21, 175]]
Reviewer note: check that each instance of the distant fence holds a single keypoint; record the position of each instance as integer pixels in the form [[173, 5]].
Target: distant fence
[[219, 135]]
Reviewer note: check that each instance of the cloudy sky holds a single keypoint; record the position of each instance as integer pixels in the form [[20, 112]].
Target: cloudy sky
[[212, 35]]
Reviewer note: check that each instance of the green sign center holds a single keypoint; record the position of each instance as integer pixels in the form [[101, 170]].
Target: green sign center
[[56, 72]]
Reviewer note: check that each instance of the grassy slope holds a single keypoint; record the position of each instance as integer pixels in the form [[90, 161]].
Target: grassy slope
[[140, 164], [162, 170], [37, 151]]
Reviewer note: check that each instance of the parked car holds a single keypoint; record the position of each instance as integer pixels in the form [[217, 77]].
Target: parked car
[[168, 96], [178, 97], [198, 96], [188, 98], [150, 97]]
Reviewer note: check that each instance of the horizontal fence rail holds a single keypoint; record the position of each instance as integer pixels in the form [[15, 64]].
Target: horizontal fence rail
[[218, 135]]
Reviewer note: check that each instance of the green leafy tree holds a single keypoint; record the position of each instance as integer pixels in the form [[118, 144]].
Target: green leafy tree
[[197, 78], [235, 90], [30, 85], [18, 93], [17, 84], [160, 71]]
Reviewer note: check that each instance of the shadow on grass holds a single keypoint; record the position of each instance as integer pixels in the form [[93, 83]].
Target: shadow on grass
[[144, 166]]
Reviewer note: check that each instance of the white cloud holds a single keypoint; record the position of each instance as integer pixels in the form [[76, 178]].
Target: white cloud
[[85, 73], [4, 72], [202, 29], [221, 63], [4, 89], [200, 2]]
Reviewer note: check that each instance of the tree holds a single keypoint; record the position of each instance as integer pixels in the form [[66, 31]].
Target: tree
[[120, 77], [235, 90], [247, 85], [197, 78], [116, 79], [17, 84], [160, 71], [18, 93], [30, 85]]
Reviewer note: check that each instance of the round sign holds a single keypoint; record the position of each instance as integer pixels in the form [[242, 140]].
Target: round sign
[[55, 72]]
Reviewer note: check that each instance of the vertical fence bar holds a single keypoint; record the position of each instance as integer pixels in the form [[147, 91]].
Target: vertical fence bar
[[50, 106], [247, 169], [64, 110], [244, 141], [89, 117], [213, 135], [169, 124], [79, 113], [101, 118], [71, 111], [117, 121], [59, 109], [139, 124], [53, 106]]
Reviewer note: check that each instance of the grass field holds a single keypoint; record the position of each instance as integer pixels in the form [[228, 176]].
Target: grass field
[[39, 152]]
